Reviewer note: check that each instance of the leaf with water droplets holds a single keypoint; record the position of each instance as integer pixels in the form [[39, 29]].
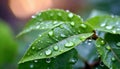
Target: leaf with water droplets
[[109, 51], [63, 33], [105, 23], [68, 59]]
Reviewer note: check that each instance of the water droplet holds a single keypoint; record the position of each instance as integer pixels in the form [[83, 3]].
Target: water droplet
[[59, 14], [40, 35], [82, 38], [102, 42], [48, 52], [37, 27], [109, 27], [55, 48], [62, 35], [72, 61], [48, 60], [41, 54], [114, 31], [113, 59], [31, 66], [108, 47], [55, 22], [118, 44], [98, 45], [69, 44], [83, 25], [72, 23], [103, 24], [33, 16], [35, 61], [50, 33], [70, 15], [33, 47]]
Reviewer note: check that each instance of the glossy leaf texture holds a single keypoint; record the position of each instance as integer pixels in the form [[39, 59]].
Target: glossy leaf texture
[[109, 49], [64, 61], [105, 23], [62, 31]]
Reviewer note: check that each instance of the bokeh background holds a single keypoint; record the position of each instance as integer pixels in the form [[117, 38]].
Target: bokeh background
[[14, 14]]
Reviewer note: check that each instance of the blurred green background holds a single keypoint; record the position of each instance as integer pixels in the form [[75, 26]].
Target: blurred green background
[[12, 22]]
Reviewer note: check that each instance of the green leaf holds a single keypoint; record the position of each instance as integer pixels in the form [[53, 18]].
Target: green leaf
[[67, 31], [105, 23], [64, 61], [8, 46], [109, 50]]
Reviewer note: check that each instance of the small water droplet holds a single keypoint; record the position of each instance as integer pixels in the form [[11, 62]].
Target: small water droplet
[[33, 47], [37, 27], [109, 27], [62, 35], [69, 44], [113, 59], [70, 15], [35, 61], [48, 60], [48, 52], [50, 33], [31, 66], [59, 14], [41, 54], [102, 42], [83, 25], [40, 35], [72, 61], [118, 44], [108, 47], [55, 22], [33, 16], [72, 23], [103, 24], [55, 48], [114, 31]]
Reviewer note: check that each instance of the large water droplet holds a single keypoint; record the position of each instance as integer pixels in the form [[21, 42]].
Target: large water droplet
[[83, 25], [118, 44], [48, 52], [31, 66], [72, 23], [103, 24], [70, 15], [50, 33], [109, 27], [55, 48], [48, 60], [69, 44]]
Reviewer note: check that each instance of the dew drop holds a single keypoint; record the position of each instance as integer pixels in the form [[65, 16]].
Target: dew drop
[[70, 15], [33, 16], [113, 59], [48, 60], [114, 31], [31, 66], [102, 42], [118, 44], [72, 23], [59, 14], [48, 52], [50, 33], [109, 27], [72, 61], [37, 27], [70, 44], [40, 35], [62, 35], [83, 25], [33, 47], [55, 48], [108, 47], [103, 24], [35, 61], [40, 54]]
